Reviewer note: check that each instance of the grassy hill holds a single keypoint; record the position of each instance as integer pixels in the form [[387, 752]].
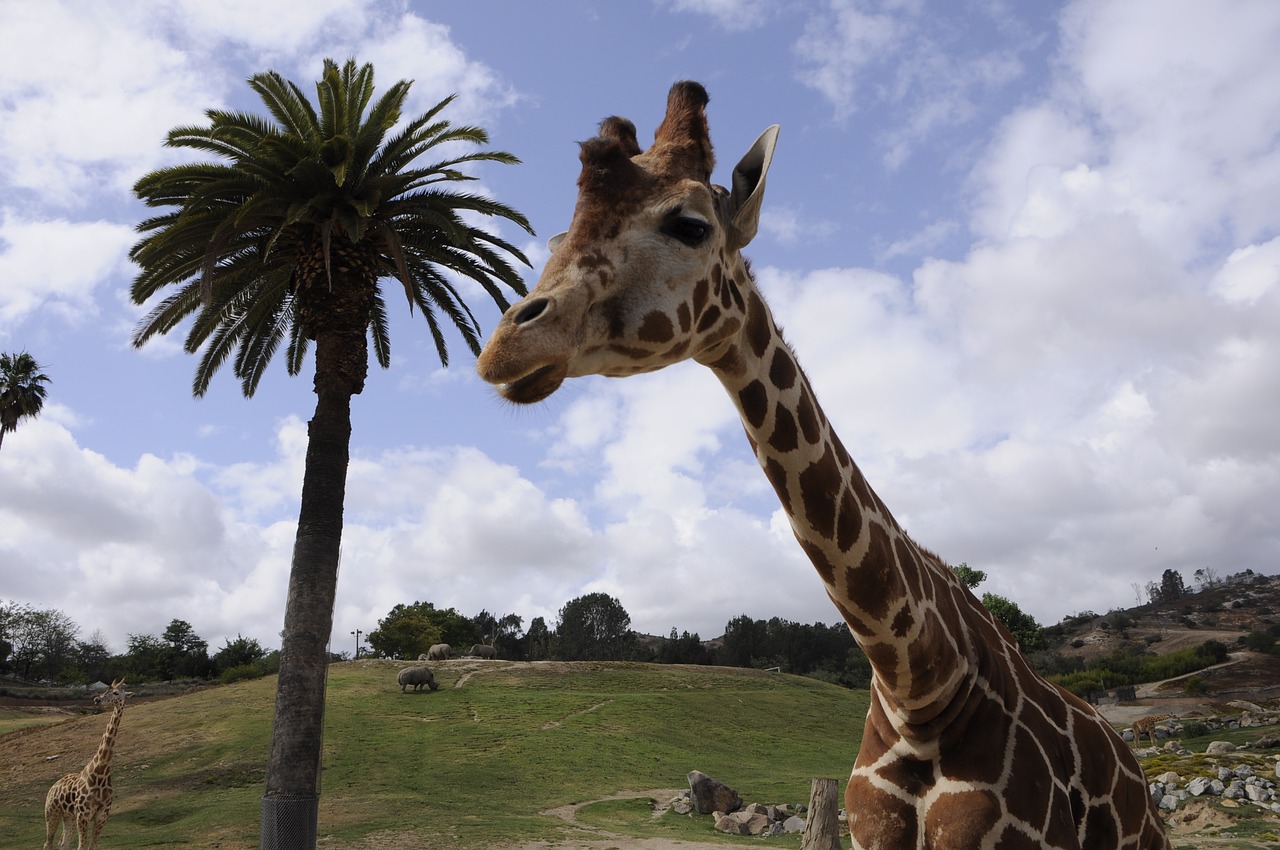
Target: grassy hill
[[478, 762]]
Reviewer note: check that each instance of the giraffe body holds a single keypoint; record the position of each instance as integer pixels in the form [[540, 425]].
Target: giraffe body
[[81, 802], [1147, 726], [964, 745]]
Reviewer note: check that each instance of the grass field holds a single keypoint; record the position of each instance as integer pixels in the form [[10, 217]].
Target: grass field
[[477, 763]]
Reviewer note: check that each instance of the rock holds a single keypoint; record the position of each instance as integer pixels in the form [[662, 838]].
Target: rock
[[1243, 771], [1168, 802], [1226, 773], [1244, 705], [709, 795], [1197, 786], [794, 824], [1168, 778], [1256, 793], [1218, 748], [742, 823]]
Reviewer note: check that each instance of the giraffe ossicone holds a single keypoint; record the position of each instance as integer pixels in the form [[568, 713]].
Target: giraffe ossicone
[[81, 802], [964, 745]]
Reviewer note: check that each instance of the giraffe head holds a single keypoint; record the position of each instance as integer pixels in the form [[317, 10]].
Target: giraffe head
[[113, 696], [649, 272]]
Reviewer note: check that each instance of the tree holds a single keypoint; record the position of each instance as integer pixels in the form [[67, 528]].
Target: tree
[[1206, 578], [683, 648], [594, 627], [22, 390], [93, 658], [1029, 634], [406, 632], [241, 652], [1172, 587], [146, 658], [286, 237], [187, 655], [409, 630], [538, 639], [967, 574], [42, 642], [745, 640]]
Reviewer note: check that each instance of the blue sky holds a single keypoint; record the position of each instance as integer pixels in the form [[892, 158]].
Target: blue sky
[[1030, 260]]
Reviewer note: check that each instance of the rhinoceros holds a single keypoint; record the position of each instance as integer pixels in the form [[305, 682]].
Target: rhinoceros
[[439, 652], [416, 676], [483, 650]]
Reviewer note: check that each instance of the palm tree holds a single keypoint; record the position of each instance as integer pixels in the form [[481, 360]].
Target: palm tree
[[287, 238], [22, 390]]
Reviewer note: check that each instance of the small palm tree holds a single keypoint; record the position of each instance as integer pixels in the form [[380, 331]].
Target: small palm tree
[[22, 390], [289, 238]]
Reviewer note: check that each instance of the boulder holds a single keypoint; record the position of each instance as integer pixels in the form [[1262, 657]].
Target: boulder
[[742, 822], [1218, 748], [710, 795]]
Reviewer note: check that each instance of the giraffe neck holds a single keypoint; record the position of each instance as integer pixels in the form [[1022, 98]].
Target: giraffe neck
[[101, 761], [904, 607]]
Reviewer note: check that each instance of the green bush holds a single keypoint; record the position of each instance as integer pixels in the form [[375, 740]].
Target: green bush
[[1194, 728], [239, 673], [1195, 686]]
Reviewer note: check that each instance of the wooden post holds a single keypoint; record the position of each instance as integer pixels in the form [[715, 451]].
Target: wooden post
[[822, 828]]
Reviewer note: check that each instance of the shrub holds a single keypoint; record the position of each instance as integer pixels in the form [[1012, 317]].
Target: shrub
[[1195, 686], [239, 673], [1194, 728]]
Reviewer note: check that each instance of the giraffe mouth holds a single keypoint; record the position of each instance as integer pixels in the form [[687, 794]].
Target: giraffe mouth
[[536, 385]]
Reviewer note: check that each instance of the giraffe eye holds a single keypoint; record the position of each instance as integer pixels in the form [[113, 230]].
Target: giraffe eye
[[690, 231]]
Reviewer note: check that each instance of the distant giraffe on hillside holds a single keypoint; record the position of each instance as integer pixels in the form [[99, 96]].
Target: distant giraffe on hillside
[[1147, 726], [81, 800]]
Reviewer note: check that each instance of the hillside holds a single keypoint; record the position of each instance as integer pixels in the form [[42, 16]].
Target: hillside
[[481, 762], [1226, 613]]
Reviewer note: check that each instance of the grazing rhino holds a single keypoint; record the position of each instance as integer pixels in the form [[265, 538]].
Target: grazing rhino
[[439, 652], [483, 650], [416, 676]]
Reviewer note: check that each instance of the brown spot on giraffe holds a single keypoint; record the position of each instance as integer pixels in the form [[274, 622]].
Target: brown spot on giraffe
[[782, 369], [656, 327], [784, 438], [964, 745]]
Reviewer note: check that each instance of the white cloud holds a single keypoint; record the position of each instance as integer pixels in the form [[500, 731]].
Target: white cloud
[[733, 15], [87, 93], [56, 265], [1250, 273]]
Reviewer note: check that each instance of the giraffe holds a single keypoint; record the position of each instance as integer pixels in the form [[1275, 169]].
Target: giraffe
[[1147, 726], [79, 800], [964, 746]]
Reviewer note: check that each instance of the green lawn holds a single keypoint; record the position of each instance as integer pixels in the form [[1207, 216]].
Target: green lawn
[[469, 766]]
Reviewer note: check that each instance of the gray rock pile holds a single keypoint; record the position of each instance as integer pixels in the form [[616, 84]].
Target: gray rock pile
[[1239, 784], [709, 796]]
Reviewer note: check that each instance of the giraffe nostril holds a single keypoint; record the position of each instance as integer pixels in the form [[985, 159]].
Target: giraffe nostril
[[530, 310]]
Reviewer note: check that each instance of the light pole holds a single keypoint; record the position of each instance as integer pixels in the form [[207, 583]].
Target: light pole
[[357, 633]]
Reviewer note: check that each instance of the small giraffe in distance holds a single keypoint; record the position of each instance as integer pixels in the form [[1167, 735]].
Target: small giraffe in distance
[[964, 746], [82, 800], [1147, 726]]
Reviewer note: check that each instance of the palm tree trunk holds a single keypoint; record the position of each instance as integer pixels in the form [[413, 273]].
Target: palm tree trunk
[[291, 804]]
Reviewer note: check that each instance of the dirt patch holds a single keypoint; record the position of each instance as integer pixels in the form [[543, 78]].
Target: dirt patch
[[1197, 817]]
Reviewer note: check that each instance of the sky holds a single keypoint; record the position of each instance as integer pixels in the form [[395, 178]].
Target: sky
[[1028, 254]]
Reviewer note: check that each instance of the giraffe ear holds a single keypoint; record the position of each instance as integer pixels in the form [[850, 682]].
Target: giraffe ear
[[747, 194], [554, 242]]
